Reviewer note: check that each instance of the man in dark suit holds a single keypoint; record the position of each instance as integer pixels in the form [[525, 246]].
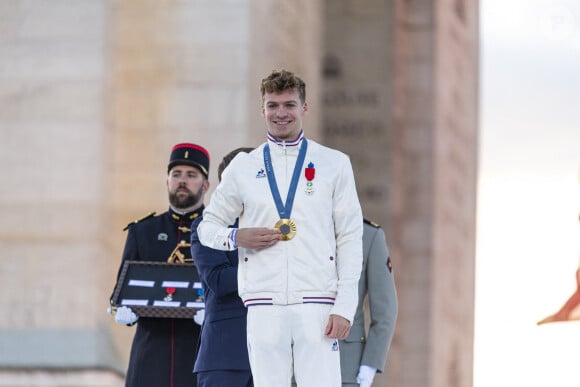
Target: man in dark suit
[[222, 358], [163, 349], [362, 354]]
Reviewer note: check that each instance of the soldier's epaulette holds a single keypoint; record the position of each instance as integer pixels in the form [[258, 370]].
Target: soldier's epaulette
[[139, 220], [371, 223]]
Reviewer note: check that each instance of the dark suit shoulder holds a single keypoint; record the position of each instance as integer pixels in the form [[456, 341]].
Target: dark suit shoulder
[[371, 223], [146, 217]]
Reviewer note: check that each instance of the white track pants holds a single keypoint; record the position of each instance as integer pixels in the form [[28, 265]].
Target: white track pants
[[283, 339]]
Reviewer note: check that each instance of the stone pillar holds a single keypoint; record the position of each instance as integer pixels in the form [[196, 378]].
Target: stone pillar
[[432, 206], [53, 325], [400, 97]]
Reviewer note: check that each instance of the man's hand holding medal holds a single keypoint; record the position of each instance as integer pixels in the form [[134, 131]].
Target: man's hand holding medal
[[257, 237]]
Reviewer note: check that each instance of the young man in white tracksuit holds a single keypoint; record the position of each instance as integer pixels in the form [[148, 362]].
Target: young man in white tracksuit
[[299, 240]]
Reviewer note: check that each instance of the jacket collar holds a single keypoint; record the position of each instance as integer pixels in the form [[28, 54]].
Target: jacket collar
[[187, 216], [283, 143]]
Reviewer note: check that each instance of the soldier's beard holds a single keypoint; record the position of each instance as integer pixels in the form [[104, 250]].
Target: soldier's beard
[[184, 202]]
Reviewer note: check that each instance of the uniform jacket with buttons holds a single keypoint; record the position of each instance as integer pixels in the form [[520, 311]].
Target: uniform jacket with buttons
[[163, 349], [377, 285]]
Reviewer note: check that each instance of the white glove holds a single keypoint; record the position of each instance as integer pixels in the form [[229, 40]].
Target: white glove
[[365, 376], [125, 316], [199, 316]]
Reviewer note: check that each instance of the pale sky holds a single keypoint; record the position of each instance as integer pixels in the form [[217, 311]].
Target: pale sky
[[529, 193]]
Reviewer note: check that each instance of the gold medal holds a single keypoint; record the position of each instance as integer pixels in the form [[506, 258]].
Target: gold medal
[[287, 228]]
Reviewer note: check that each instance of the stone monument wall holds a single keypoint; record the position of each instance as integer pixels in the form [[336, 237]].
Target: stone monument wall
[[95, 93]]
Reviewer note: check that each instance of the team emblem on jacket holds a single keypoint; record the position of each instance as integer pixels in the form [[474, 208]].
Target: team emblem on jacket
[[162, 236], [261, 173], [335, 345], [309, 173]]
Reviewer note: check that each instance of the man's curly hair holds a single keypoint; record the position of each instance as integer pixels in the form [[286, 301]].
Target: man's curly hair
[[281, 80]]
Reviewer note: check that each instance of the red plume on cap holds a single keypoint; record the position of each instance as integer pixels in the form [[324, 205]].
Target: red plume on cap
[[189, 154]]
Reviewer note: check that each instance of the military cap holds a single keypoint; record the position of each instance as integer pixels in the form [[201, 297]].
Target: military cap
[[189, 154]]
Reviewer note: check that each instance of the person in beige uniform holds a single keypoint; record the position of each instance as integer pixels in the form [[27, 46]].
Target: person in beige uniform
[[363, 354]]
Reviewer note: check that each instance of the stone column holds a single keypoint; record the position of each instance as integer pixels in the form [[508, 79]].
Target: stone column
[[432, 207], [53, 149], [400, 97]]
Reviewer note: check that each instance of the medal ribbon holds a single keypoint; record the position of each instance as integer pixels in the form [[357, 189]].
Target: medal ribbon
[[284, 210]]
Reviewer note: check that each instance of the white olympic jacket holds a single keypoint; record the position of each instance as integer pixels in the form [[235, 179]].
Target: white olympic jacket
[[322, 263]]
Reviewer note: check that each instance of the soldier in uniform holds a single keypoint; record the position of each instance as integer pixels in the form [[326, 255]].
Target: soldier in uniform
[[163, 349], [361, 354]]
